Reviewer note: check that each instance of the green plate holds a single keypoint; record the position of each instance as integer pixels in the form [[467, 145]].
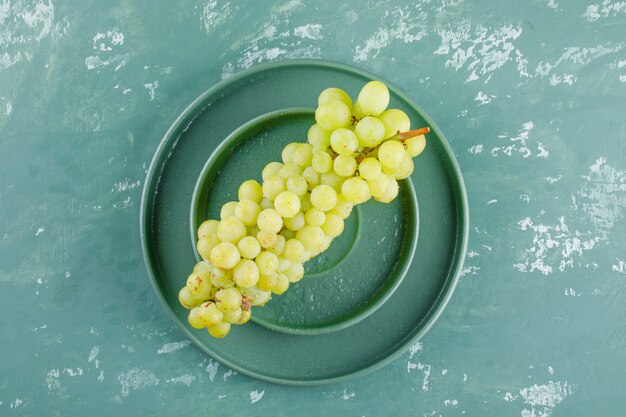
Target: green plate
[[375, 292]]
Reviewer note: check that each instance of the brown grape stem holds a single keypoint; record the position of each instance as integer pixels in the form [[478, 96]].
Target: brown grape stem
[[401, 136]]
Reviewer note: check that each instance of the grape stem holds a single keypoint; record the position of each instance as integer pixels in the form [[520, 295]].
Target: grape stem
[[400, 136]]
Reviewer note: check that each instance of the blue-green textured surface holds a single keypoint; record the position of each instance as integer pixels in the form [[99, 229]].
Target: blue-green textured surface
[[531, 96]]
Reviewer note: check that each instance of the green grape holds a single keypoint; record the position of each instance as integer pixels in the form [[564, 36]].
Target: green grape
[[324, 197], [395, 121], [202, 266], [194, 319], [343, 141], [283, 264], [295, 272], [415, 145], [208, 227], [270, 221], [265, 238], [228, 209], [186, 299], [311, 176], [327, 242], [267, 262], [405, 169], [355, 190], [344, 165], [322, 162], [256, 296], [295, 223], [250, 190], [266, 203], [305, 202], [391, 153], [332, 115], [272, 186], [246, 273], [221, 278], [288, 234], [314, 217], [297, 185], [271, 169], [343, 208], [228, 299], [231, 229], [225, 255], [295, 251], [332, 179], [333, 226], [287, 153], [373, 98], [249, 247], [267, 282], [199, 285], [311, 237], [378, 186], [357, 111], [287, 204], [247, 211], [303, 155], [253, 230], [370, 131], [282, 284], [232, 317], [206, 245], [290, 169], [332, 94], [209, 314], [391, 192], [279, 246], [220, 330], [370, 168], [245, 316], [318, 137]]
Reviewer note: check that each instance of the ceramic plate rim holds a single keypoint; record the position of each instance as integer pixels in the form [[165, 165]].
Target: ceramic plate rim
[[186, 118]]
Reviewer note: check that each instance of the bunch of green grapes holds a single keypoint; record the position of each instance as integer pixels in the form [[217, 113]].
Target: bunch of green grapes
[[258, 247]]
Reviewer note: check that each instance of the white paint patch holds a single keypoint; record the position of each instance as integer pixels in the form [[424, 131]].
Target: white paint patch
[[255, 396], [173, 347], [136, 379], [607, 8], [39, 231], [520, 144], [73, 372], [483, 98], [490, 202], [544, 398], [101, 376], [52, 379], [417, 347], [93, 354], [211, 368], [553, 246], [215, 14], [425, 370], [573, 56], [16, 403], [348, 395], [552, 180], [183, 379], [602, 196], [620, 267], [309, 31], [510, 397], [568, 79], [402, 23], [228, 374], [105, 44], [553, 4], [125, 185], [476, 149], [151, 87], [9, 109], [451, 403], [479, 50], [23, 26]]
